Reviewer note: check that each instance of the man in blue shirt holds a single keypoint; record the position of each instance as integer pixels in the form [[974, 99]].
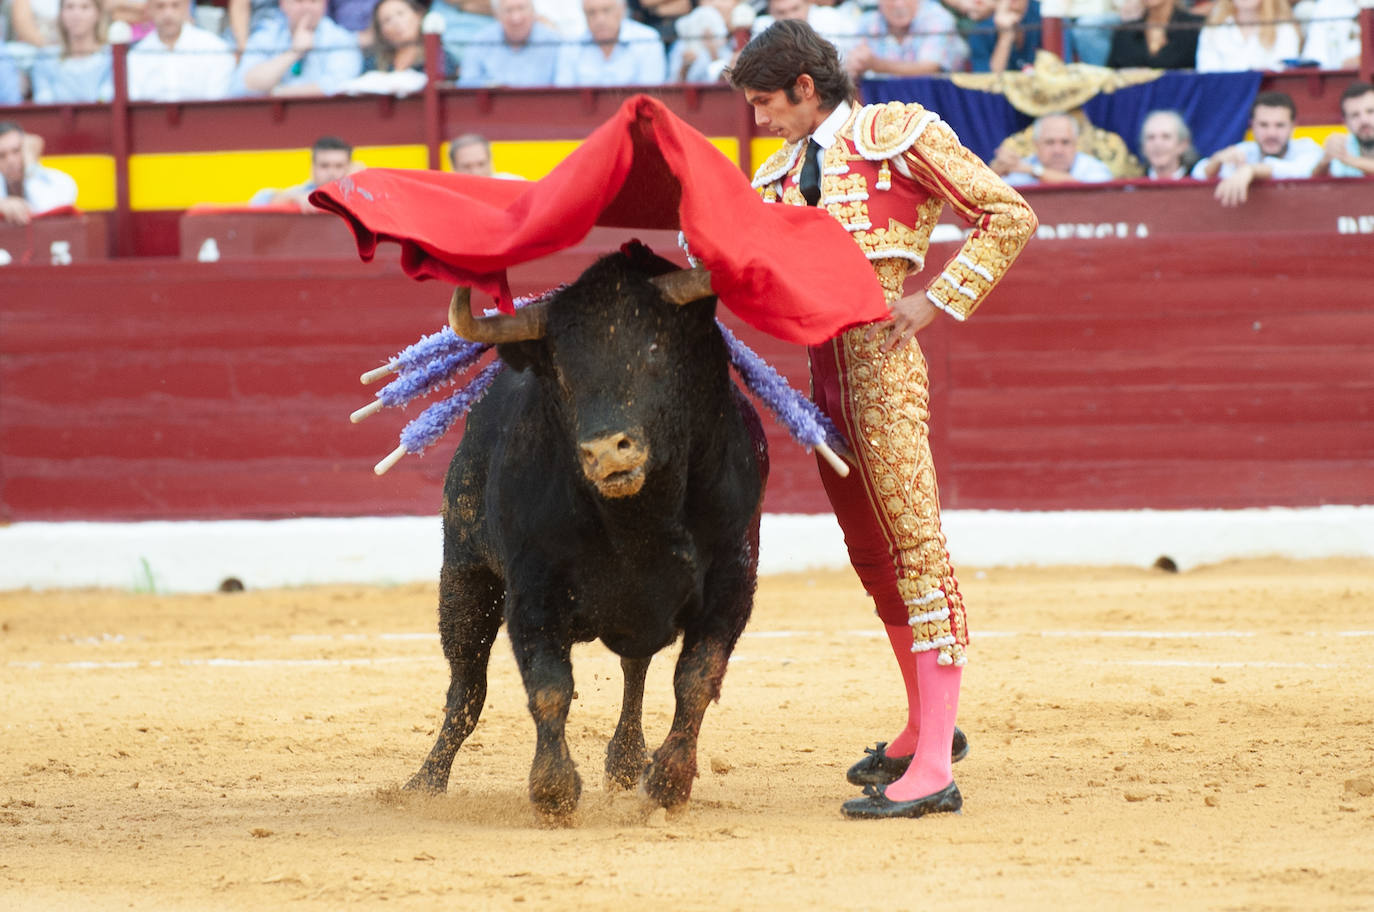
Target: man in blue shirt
[[512, 51], [615, 50], [301, 52]]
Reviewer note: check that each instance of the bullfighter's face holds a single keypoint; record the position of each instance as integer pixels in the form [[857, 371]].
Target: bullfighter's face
[[792, 118]]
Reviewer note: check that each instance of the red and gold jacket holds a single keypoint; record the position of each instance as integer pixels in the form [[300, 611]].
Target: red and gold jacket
[[887, 177]]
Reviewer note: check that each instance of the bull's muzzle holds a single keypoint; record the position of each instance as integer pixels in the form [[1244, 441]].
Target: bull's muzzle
[[616, 463]]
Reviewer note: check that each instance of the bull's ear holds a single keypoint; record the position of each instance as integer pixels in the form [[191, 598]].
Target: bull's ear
[[525, 355]]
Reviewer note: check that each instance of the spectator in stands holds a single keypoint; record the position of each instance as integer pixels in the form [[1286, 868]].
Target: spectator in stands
[[463, 20], [1056, 159], [660, 15], [330, 159], [34, 21], [703, 48], [1332, 28], [399, 43], [30, 189], [179, 61], [515, 50], [301, 52], [1166, 144], [1351, 154], [907, 38], [11, 82], [615, 51], [1247, 35], [247, 16], [1088, 30], [1164, 37], [80, 69], [1001, 34], [830, 23], [1273, 153], [563, 16], [471, 154]]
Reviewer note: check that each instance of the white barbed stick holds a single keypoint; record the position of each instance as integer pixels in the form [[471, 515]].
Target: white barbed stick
[[839, 465], [367, 411], [392, 458]]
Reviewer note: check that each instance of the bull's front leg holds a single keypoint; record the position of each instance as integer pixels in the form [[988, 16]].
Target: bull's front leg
[[543, 654], [469, 618], [696, 682], [626, 755]]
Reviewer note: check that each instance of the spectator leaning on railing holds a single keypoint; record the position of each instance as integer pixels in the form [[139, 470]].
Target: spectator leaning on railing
[[179, 61], [301, 52], [80, 68], [1273, 153], [1351, 154], [1247, 35], [1164, 38], [29, 188], [515, 50], [399, 43], [330, 159], [1166, 144], [615, 51], [33, 21], [1056, 159]]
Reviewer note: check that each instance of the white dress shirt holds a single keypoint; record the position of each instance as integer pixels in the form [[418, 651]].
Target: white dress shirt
[[1299, 159], [47, 188], [197, 68]]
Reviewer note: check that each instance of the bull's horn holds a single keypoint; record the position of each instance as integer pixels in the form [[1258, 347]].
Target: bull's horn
[[526, 323], [685, 285]]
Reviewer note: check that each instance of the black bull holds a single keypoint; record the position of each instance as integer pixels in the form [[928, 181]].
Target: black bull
[[608, 487]]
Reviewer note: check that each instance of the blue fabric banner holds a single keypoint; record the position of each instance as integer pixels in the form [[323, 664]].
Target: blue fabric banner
[[1216, 106]]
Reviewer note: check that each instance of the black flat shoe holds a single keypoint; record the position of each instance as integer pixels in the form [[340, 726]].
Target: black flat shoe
[[877, 768], [875, 805]]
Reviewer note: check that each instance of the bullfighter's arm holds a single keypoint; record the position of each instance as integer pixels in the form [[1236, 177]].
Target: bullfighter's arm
[[1002, 221]]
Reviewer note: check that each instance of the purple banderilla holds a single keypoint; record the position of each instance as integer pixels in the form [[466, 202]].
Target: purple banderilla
[[438, 359]]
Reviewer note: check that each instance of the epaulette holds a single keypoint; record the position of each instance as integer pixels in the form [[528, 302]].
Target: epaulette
[[776, 166], [887, 130]]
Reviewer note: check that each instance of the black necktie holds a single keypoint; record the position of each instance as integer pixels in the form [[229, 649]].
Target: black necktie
[[811, 173]]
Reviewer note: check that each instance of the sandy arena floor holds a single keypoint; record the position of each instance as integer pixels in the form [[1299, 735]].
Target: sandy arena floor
[[1140, 740]]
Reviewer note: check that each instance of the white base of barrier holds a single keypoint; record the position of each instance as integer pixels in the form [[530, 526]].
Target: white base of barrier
[[198, 556]]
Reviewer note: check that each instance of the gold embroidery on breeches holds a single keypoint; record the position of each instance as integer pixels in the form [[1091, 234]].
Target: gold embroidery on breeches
[[887, 403]]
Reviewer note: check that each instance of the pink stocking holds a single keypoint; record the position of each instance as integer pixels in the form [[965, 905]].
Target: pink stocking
[[904, 745], [939, 704]]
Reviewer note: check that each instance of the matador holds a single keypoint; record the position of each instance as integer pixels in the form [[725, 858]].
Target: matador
[[886, 172]]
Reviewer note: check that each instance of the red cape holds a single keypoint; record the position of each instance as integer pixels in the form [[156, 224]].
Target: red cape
[[790, 271]]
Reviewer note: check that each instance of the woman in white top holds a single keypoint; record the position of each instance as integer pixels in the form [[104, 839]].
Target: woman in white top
[[1247, 35], [79, 69]]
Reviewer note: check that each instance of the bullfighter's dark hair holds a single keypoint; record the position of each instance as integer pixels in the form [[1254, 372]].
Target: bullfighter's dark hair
[[781, 53], [330, 144], [1354, 90], [1274, 100]]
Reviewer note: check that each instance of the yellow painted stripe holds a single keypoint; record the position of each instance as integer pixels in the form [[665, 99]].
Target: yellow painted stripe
[[94, 176], [533, 159], [760, 149], [179, 180]]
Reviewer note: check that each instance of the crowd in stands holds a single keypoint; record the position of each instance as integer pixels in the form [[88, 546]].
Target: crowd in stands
[[58, 51]]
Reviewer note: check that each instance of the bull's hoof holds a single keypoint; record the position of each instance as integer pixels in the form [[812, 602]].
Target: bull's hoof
[[625, 766], [668, 788], [428, 782], [555, 792]]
